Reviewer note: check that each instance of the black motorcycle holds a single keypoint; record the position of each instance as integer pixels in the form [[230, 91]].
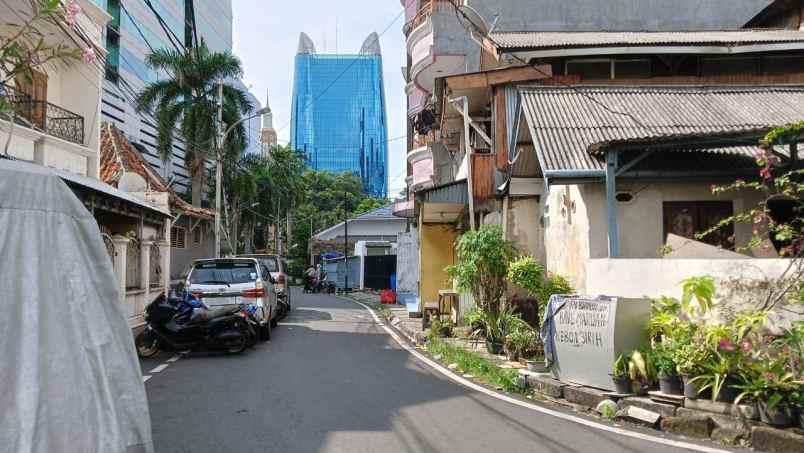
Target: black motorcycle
[[171, 326]]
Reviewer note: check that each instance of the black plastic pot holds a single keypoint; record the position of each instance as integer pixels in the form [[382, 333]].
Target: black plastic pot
[[690, 388], [781, 416], [494, 347], [727, 392], [801, 417], [670, 384], [622, 385]]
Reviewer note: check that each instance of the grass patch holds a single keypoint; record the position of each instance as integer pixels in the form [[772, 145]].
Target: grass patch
[[482, 369]]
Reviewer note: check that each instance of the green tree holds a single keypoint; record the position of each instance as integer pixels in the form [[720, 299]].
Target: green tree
[[187, 99], [370, 204]]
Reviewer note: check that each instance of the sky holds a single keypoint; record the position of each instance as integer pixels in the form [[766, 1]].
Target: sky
[[266, 36]]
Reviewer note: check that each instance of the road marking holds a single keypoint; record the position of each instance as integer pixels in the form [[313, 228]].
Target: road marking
[[582, 421], [159, 369], [174, 358], [145, 378]]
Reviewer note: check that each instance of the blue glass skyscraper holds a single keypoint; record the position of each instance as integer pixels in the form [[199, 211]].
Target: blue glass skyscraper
[[338, 118]]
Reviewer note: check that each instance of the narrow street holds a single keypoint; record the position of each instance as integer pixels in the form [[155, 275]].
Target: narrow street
[[332, 380]]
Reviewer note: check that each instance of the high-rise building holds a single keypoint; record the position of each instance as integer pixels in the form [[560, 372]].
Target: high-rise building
[[268, 133], [338, 117], [137, 28]]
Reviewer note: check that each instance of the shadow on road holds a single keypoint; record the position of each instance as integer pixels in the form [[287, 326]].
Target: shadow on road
[[330, 381]]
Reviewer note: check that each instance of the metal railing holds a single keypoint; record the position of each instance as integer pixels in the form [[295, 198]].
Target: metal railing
[[44, 116], [426, 9]]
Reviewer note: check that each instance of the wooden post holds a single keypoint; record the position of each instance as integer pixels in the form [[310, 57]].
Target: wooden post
[[611, 203]]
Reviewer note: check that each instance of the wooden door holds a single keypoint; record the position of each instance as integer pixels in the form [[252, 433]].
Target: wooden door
[[33, 84]]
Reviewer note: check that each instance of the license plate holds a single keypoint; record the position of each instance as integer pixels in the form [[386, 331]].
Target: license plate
[[217, 301]]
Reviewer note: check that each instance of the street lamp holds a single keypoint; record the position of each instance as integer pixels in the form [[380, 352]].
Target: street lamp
[[219, 164]]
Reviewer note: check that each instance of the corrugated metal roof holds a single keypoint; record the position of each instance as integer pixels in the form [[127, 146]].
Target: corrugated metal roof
[[565, 122], [552, 40], [383, 213]]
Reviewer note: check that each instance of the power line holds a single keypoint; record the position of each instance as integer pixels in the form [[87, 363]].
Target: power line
[[171, 36]]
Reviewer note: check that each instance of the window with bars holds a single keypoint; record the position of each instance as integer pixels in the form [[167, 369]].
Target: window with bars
[[178, 237]]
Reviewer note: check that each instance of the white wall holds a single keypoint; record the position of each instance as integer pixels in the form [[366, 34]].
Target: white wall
[[577, 228]]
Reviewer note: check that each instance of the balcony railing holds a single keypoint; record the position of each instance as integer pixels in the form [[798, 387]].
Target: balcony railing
[[426, 9], [44, 116]]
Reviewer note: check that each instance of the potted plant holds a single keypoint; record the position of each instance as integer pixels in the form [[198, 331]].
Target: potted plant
[[669, 382], [689, 358], [798, 400], [439, 328], [620, 376], [518, 340], [771, 386], [641, 371]]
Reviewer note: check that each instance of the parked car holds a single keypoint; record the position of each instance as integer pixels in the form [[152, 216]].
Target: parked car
[[229, 282], [278, 267]]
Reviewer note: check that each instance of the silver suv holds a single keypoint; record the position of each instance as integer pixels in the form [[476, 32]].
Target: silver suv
[[278, 268], [228, 282]]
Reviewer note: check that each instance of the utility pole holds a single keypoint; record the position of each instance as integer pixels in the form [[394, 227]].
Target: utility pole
[[218, 172], [310, 243], [345, 241]]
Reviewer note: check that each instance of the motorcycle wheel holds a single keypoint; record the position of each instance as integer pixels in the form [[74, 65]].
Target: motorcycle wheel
[[238, 347], [147, 344]]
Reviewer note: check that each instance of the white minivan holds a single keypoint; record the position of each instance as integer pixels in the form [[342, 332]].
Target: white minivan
[[230, 282]]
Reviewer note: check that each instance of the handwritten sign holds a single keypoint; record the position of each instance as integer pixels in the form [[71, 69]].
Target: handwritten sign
[[589, 332]]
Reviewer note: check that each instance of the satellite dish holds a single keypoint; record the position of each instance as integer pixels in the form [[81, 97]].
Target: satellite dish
[[475, 18], [132, 182]]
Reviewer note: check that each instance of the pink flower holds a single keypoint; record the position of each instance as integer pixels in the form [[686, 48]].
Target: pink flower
[[746, 346], [766, 173], [88, 55], [726, 345], [759, 153], [71, 11]]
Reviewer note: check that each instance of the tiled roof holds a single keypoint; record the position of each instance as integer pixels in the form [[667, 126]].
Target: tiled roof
[[118, 156], [553, 40], [568, 124]]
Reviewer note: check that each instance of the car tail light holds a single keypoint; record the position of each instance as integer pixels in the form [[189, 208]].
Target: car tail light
[[281, 279], [253, 293]]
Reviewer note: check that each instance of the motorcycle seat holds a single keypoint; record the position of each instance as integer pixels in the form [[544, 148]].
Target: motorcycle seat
[[214, 313]]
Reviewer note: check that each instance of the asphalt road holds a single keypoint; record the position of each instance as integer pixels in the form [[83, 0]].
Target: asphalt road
[[332, 380]]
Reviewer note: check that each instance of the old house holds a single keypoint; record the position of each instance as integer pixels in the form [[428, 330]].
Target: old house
[[54, 124], [191, 228], [596, 150]]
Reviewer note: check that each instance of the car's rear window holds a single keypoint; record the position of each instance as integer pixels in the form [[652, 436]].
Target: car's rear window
[[223, 273], [270, 262]]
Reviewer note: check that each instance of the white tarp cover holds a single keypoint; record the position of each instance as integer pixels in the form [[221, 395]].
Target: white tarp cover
[[70, 379]]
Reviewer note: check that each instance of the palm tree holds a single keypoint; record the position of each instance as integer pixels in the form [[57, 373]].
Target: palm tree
[[187, 99]]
